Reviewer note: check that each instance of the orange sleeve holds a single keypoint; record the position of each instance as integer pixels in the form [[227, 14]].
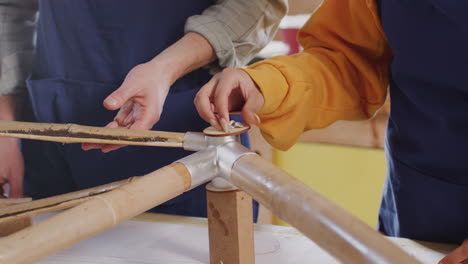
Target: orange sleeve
[[342, 74]]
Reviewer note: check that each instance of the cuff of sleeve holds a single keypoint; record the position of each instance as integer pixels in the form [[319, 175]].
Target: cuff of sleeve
[[15, 70], [271, 83], [219, 39]]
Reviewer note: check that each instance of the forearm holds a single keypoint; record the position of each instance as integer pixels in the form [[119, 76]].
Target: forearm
[[10, 107], [189, 53], [341, 75], [238, 29], [17, 27]]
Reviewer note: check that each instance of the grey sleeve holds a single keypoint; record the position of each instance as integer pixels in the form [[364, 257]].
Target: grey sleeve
[[17, 27], [238, 29]]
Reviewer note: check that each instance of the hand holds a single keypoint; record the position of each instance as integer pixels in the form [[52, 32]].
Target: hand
[[11, 167], [140, 99], [230, 90], [459, 255]]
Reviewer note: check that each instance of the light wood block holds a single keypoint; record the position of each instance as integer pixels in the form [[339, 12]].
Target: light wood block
[[230, 227]]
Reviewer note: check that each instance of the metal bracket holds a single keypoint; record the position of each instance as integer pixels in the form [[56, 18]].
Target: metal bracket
[[215, 158]]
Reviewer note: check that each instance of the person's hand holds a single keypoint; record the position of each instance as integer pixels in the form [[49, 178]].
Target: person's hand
[[11, 167], [459, 255], [140, 99], [230, 90]]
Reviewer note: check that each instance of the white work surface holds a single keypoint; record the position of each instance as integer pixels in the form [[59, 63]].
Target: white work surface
[[153, 239]]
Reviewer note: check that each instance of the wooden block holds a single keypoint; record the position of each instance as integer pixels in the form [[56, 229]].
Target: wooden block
[[230, 227], [15, 224]]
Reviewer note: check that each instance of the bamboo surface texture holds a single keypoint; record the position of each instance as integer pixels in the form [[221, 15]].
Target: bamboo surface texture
[[72, 133], [55, 203], [100, 213], [15, 224], [329, 226]]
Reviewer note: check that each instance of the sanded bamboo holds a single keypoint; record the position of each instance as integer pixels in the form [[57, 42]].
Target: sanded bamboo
[[71, 133], [96, 215], [15, 224], [55, 203], [329, 226]]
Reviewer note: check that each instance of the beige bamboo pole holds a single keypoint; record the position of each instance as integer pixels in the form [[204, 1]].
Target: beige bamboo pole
[[329, 226], [16, 224], [96, 215], [30, 208], [71, 133]]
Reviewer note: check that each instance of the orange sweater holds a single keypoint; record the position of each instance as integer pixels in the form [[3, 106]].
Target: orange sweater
[[342, 74]]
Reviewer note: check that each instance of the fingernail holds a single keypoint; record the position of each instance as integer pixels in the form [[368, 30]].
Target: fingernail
[[224, 125], [257, 118], [111, 101], [215, 124]]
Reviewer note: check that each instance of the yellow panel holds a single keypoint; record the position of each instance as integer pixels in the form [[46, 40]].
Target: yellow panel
[[351, 177]]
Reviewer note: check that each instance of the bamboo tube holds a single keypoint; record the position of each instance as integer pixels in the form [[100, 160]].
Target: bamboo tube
[[71, 133], [16, 224], [96, 215], [55, 203], [329, 226]]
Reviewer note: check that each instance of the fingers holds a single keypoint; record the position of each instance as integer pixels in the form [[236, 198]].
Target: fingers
[[89, 146], [203, 103], [145, 117], [119, 97], [249, 112], [230, 90], [16, 184], [123, 117], [221, 97], [109, 148], [459, 255]]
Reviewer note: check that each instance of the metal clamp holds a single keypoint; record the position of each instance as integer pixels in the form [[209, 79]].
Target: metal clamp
[[228, 154], [195, 141], [215, 158], [201, 165]]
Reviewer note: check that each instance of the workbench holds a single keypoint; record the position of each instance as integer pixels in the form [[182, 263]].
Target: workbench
[[156, 238]]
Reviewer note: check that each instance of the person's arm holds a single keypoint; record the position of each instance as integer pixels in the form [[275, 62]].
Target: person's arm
[[141, 97], [17, 18], [342, 74], [238, 29], [458, 256]]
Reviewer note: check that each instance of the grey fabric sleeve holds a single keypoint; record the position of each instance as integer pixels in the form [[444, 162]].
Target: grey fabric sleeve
[[17, 27], [238, 29]]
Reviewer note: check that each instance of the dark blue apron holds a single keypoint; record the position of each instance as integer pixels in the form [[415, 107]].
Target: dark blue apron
[[426, 192], [85, 48]]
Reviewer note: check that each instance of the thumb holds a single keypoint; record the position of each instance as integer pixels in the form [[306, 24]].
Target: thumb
[[119, 97], [249, 112]]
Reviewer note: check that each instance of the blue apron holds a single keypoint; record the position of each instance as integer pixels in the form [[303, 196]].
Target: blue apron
[[85, 48], [426, 192]]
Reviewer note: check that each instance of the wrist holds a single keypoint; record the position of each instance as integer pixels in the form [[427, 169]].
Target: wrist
[[187, 54], [10, 107], [167, 72]]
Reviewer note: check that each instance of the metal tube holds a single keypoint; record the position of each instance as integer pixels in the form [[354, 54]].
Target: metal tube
[[329, 226]]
